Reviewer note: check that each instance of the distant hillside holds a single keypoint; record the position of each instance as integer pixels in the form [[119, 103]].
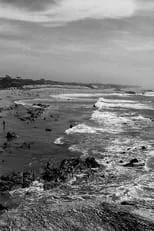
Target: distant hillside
[[18, 82]]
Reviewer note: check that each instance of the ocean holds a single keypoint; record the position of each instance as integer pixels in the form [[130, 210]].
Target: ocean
[[118, 130]]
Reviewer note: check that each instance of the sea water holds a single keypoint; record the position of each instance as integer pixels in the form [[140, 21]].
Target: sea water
[[117, 128], [120, 128]]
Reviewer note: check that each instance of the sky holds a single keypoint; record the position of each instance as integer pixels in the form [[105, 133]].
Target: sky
[[107, 41]]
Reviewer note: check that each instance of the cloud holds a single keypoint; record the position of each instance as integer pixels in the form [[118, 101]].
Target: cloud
[[30, 5], [50, 11], [145, 6]]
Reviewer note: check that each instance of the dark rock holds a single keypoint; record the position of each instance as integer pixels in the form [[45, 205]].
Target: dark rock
[[1, 150], [41, 105], [50, 185], [71, 125], [131, 163], [143, 148], [7, 202], [91, 162], [28, 114], [127, 203], [15, 180], [11, 135], [2, 207], [48, 129], [4, 146], [131, 92]]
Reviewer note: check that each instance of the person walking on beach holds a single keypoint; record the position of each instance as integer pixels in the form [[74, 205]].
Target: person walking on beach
[[3, 125]]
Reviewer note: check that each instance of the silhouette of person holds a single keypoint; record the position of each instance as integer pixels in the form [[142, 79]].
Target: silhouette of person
[[3, 125]]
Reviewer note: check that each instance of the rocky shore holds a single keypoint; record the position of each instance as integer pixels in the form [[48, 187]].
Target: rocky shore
[[45, 202]]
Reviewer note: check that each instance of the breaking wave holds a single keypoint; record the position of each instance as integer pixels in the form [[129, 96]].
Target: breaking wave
[[112, 103], [83, 128], [59, 141]]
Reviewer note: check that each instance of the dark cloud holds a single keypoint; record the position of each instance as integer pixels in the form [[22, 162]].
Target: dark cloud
[[32, 5]]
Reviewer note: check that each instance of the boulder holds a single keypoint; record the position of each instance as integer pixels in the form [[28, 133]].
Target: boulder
[[132, 163], [4, 146], [143, 148]]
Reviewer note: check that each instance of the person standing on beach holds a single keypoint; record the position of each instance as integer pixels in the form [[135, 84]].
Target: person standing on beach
[[3, 125]]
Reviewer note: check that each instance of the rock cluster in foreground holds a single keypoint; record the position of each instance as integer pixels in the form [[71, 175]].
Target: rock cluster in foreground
[[56, 209]]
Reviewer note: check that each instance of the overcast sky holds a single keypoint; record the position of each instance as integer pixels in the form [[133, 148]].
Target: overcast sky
[[78, 40]]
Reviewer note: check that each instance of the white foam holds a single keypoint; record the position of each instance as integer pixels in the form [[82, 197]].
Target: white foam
[[114, 123], [82, 128], [112, 103], [149, 93], [23, 102], [128, 144], [59, 141], [26, 103], [108, 118], [141, 118], [77, 148], [30, 102], [75, 96]]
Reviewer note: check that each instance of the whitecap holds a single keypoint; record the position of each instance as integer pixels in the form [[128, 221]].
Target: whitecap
[[59, 141], [113, 122], [75, 96], [77, 148], [112, 103], [109, 119], [149, 93], [83, 128]]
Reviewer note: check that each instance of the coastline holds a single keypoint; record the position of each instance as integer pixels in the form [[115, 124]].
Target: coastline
[[79, 188]]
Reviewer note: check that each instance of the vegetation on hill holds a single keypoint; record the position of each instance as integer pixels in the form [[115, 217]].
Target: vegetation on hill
[[18, 82]]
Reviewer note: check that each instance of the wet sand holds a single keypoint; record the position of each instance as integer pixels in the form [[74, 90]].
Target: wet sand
[[17, 156]]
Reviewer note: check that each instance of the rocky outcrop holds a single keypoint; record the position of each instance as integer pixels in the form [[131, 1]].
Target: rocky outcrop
[[68, 167], [29, 113], [16, 180], [61, 173], [61, 209]]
